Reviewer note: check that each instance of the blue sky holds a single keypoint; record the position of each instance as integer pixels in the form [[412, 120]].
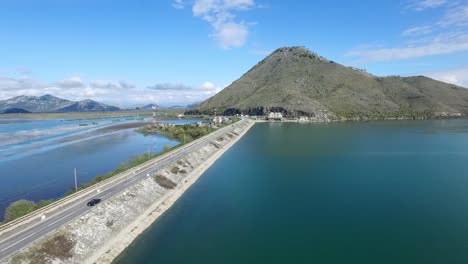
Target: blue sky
[[130, 53]]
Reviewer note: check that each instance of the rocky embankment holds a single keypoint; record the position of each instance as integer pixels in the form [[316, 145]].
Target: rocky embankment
[[100, 235]]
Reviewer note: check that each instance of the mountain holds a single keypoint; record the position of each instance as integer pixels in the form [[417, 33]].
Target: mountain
[[15, 111], [88, 106], [297, 81], [45, 103], [49, 104], [148, 107], [193, 106]]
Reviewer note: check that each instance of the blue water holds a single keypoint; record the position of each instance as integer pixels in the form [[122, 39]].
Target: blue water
[[365, 193], [42, 167]]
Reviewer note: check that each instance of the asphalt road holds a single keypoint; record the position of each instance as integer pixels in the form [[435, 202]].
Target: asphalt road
[[61, 216]]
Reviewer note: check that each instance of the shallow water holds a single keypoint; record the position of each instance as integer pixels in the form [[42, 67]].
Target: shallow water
[[377, 192], [42, 167]]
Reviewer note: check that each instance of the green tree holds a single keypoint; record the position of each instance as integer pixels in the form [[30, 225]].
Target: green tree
[[18, 209], [167, 148]]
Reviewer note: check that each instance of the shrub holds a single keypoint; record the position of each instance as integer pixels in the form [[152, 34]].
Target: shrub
[[18, 209], [43, 203], [175, 169], [167, 148], [109, 223], [59, 246], [164, 182]]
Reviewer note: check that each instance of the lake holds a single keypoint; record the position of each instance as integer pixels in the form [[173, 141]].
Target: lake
[[38, 157], [358, 192]]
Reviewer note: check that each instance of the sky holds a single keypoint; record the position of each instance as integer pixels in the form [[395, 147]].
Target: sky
[[177, 52]]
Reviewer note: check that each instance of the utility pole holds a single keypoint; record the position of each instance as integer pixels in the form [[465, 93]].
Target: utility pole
[[148, 153], [184, 137], [76, 182]]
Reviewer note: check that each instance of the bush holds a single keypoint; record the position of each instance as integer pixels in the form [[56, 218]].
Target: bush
[[167, 148], [164, 182], [23, 207], [182, 133], [43, 203], [18, 209], [175, 169], [59, 246]]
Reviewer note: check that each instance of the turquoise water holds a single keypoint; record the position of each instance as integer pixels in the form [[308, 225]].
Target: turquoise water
[[38, 157], [377, 192]]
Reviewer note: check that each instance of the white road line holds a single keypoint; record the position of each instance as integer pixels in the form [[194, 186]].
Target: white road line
[[106, 195], [14, 244], [60, 219]]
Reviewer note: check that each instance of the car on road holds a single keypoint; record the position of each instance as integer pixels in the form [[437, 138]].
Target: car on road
[[93, 202]]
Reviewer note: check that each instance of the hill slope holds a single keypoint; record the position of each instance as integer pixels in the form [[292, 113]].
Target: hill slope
[[15, 111], [45, 103], [88, 106], [298, 81], [49, 104]]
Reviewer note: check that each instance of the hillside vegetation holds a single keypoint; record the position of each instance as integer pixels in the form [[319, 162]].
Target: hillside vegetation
[[299, 82]]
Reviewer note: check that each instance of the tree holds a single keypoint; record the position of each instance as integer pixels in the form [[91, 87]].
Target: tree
[[18, 209], [167, 148]]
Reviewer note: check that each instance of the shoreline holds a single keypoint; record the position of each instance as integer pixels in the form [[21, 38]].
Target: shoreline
[[117, 245], [103, 233]]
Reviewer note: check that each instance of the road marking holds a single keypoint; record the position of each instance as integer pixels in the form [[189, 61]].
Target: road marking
[[14, 244], [60, 219], [106, 195]]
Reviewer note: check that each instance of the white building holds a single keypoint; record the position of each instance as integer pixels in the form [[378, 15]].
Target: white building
[[275, 116], [221, 120]]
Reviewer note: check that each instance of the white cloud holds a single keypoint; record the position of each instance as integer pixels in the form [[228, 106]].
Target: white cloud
[[455, 76], [228, 32], [415, 31], [455, 16], [170, 87], [15, 84], [111, 84], [210, 88], [179, 4], [173, 94], [231, 35], [206, 88], [446, 35], [71, 82], [421, 5], [439, 45]]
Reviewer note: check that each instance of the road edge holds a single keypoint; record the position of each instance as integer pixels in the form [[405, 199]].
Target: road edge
[[115, 246]]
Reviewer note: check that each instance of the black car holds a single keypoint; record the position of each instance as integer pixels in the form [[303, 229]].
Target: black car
[[93, 202]]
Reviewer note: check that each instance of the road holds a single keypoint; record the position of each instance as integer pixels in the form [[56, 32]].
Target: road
[[73, 210]]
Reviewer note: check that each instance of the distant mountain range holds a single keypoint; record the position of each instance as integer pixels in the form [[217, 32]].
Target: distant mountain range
[[51, 104], [150, 107], [296, 81]]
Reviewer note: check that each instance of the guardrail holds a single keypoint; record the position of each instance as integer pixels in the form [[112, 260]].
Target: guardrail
[[63, 201]]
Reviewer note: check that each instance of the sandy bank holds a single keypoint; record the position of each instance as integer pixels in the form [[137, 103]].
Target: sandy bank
[[117, 127]]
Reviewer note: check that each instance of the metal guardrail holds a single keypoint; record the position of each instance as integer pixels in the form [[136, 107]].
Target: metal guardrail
[[63, 201]]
